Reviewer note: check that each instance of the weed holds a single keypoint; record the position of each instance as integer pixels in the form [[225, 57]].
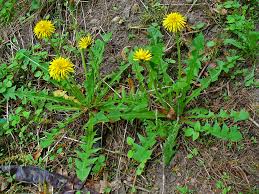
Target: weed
[[184, 190], [162, 103], [154, 12], [241, 34], [129, 106], [6, 10], [194, 152], [224, 189]]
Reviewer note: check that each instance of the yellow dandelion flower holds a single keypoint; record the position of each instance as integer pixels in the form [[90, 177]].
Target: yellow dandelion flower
[[174, 22], [142, 55], [60, 68], [44, 29], [85, 42]]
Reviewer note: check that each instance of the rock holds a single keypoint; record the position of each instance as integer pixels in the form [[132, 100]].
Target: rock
[[215, 29], [126, 11], [116, 19], [223, 12], [94, 21], [189, 1], [135, 8], [191, 19]]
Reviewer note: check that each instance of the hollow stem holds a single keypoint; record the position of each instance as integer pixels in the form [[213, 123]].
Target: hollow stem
[[179, 55], [75, 90], [83, 61]]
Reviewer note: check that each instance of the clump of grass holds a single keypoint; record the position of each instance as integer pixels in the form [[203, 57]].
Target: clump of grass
[[153, 13]]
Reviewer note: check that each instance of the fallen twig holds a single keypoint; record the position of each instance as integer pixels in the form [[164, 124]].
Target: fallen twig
[[35, 175]]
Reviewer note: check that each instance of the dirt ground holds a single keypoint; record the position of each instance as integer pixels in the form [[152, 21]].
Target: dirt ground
[[236, 165]]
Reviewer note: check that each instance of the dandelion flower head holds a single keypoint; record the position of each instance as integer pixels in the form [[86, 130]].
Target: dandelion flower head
[[60, 68], [85, 42], [142, 55], [174, 22], [44, 29]]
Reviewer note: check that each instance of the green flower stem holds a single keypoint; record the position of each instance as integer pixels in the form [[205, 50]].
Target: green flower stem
[[75, 90], [83, 61], [52, 44], [70, 87], [179, 69], [179, 55]]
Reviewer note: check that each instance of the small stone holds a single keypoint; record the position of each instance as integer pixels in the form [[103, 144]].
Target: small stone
[[214, 149], [189, 1], [116, 19], [191, 19], [223, 12], [135, 8], [121, 21], [94, 21], [126, 11], [215, 29]]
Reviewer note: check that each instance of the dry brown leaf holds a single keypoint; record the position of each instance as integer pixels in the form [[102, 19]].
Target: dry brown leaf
[[37, 154], [163, 111], [124, 54], [3, 183], [61, 93], [131, 85], [171, 114]]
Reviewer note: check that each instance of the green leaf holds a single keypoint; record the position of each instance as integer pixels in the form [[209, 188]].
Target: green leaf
[[154, 34], [52, 107], [83, 168], [234, 134], [86, 154], [194, 62], [197, 126], [96, 55], [193, 132], [139, 115], [35, 4], [33, 95], [233, 42], [198, 26], [231, 4], [3, 121], [106, 37], [50, 138], [99, 164], [140, 168], [188, 132], [130, 141], [249, 78], [213, 76], [89, 85], [211, 44], [239, 116], [224, 132], [169, 146], [195, 135], [223, 114], [142, 152], [26, 114], [10, 93], [130, 153], [252, 41], [38, 74]]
